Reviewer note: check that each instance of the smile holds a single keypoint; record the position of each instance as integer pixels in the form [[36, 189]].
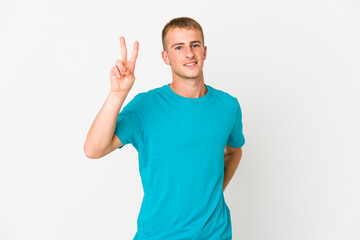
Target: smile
[[190, 64]]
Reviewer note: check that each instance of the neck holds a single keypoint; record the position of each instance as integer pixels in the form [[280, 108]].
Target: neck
[[189, 88]]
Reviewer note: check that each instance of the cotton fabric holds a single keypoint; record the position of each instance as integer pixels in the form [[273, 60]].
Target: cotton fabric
[[180, 143]]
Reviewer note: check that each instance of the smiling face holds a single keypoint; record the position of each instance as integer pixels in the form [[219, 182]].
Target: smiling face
[[185, 53]]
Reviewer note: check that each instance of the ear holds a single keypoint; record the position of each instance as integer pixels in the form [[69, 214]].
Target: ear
[[165, 57], [205, 51]]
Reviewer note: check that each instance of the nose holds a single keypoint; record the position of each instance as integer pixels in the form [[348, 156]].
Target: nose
[[189, 52]]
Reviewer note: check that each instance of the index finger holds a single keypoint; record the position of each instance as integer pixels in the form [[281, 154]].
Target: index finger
[[135, 51], [123, 48]]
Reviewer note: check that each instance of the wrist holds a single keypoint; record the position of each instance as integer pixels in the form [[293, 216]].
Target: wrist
[[117, 96], [119, 93]]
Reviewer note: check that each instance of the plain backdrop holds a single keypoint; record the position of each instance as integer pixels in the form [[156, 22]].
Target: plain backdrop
[[293, 65]]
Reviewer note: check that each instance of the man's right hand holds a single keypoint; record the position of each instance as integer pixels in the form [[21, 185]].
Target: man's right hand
[[122, 74]]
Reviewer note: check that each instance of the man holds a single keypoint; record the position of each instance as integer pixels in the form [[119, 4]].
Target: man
[[188, 136]]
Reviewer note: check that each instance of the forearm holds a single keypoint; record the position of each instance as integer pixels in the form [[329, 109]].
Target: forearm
[[231, 162], [102, 129]]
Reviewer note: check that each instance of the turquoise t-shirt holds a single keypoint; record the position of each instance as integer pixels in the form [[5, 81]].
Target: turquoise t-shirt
[[180, 143]]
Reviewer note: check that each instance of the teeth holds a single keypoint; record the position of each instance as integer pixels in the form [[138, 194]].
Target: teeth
[[190, 64]]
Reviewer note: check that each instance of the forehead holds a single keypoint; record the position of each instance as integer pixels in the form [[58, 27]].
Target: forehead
[[182, 35]]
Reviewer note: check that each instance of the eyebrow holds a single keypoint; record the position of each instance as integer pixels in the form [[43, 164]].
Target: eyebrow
[[192, 42]]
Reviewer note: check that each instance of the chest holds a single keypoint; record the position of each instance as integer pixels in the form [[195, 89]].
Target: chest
[[174, 129]]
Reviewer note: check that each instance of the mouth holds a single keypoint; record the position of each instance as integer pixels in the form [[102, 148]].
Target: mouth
[[190, 64]]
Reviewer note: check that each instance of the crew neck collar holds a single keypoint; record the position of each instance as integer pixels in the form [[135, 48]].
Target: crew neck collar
[[187, 99]]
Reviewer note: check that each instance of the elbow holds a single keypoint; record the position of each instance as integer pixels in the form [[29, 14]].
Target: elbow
[[90, 153]]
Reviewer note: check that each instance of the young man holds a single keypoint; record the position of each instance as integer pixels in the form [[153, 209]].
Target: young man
[[188, 136]]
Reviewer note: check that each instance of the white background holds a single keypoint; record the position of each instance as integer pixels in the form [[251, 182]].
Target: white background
[[293, 65]]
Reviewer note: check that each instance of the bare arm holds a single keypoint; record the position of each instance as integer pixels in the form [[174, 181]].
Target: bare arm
[[232, 158], [101, 134], [101, 139]]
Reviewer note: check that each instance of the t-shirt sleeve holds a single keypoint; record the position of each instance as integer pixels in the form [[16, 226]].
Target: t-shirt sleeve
[[236, 138], [128, 124]]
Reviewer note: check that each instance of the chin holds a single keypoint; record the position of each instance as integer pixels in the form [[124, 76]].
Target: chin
[[187, 75], [192, 77]]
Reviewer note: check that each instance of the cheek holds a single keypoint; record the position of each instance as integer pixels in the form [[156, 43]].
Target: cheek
[[171, 58], [175, 58], [200, 53]]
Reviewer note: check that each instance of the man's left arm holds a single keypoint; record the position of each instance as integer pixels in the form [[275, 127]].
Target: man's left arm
[[232, 158]]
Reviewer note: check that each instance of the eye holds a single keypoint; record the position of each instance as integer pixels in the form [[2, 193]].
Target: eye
[[178, 47], [196, 45]]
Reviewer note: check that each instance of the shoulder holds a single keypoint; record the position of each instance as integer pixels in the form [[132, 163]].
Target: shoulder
[[145, 95], [149, 95], [141, 100], [226, 97]]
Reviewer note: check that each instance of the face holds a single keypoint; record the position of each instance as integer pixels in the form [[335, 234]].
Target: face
[[185, 53]]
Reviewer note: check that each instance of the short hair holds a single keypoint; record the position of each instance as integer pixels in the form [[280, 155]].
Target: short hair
[[181, 22]]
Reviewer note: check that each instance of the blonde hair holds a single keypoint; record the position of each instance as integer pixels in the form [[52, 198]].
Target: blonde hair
[[181, 22]]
